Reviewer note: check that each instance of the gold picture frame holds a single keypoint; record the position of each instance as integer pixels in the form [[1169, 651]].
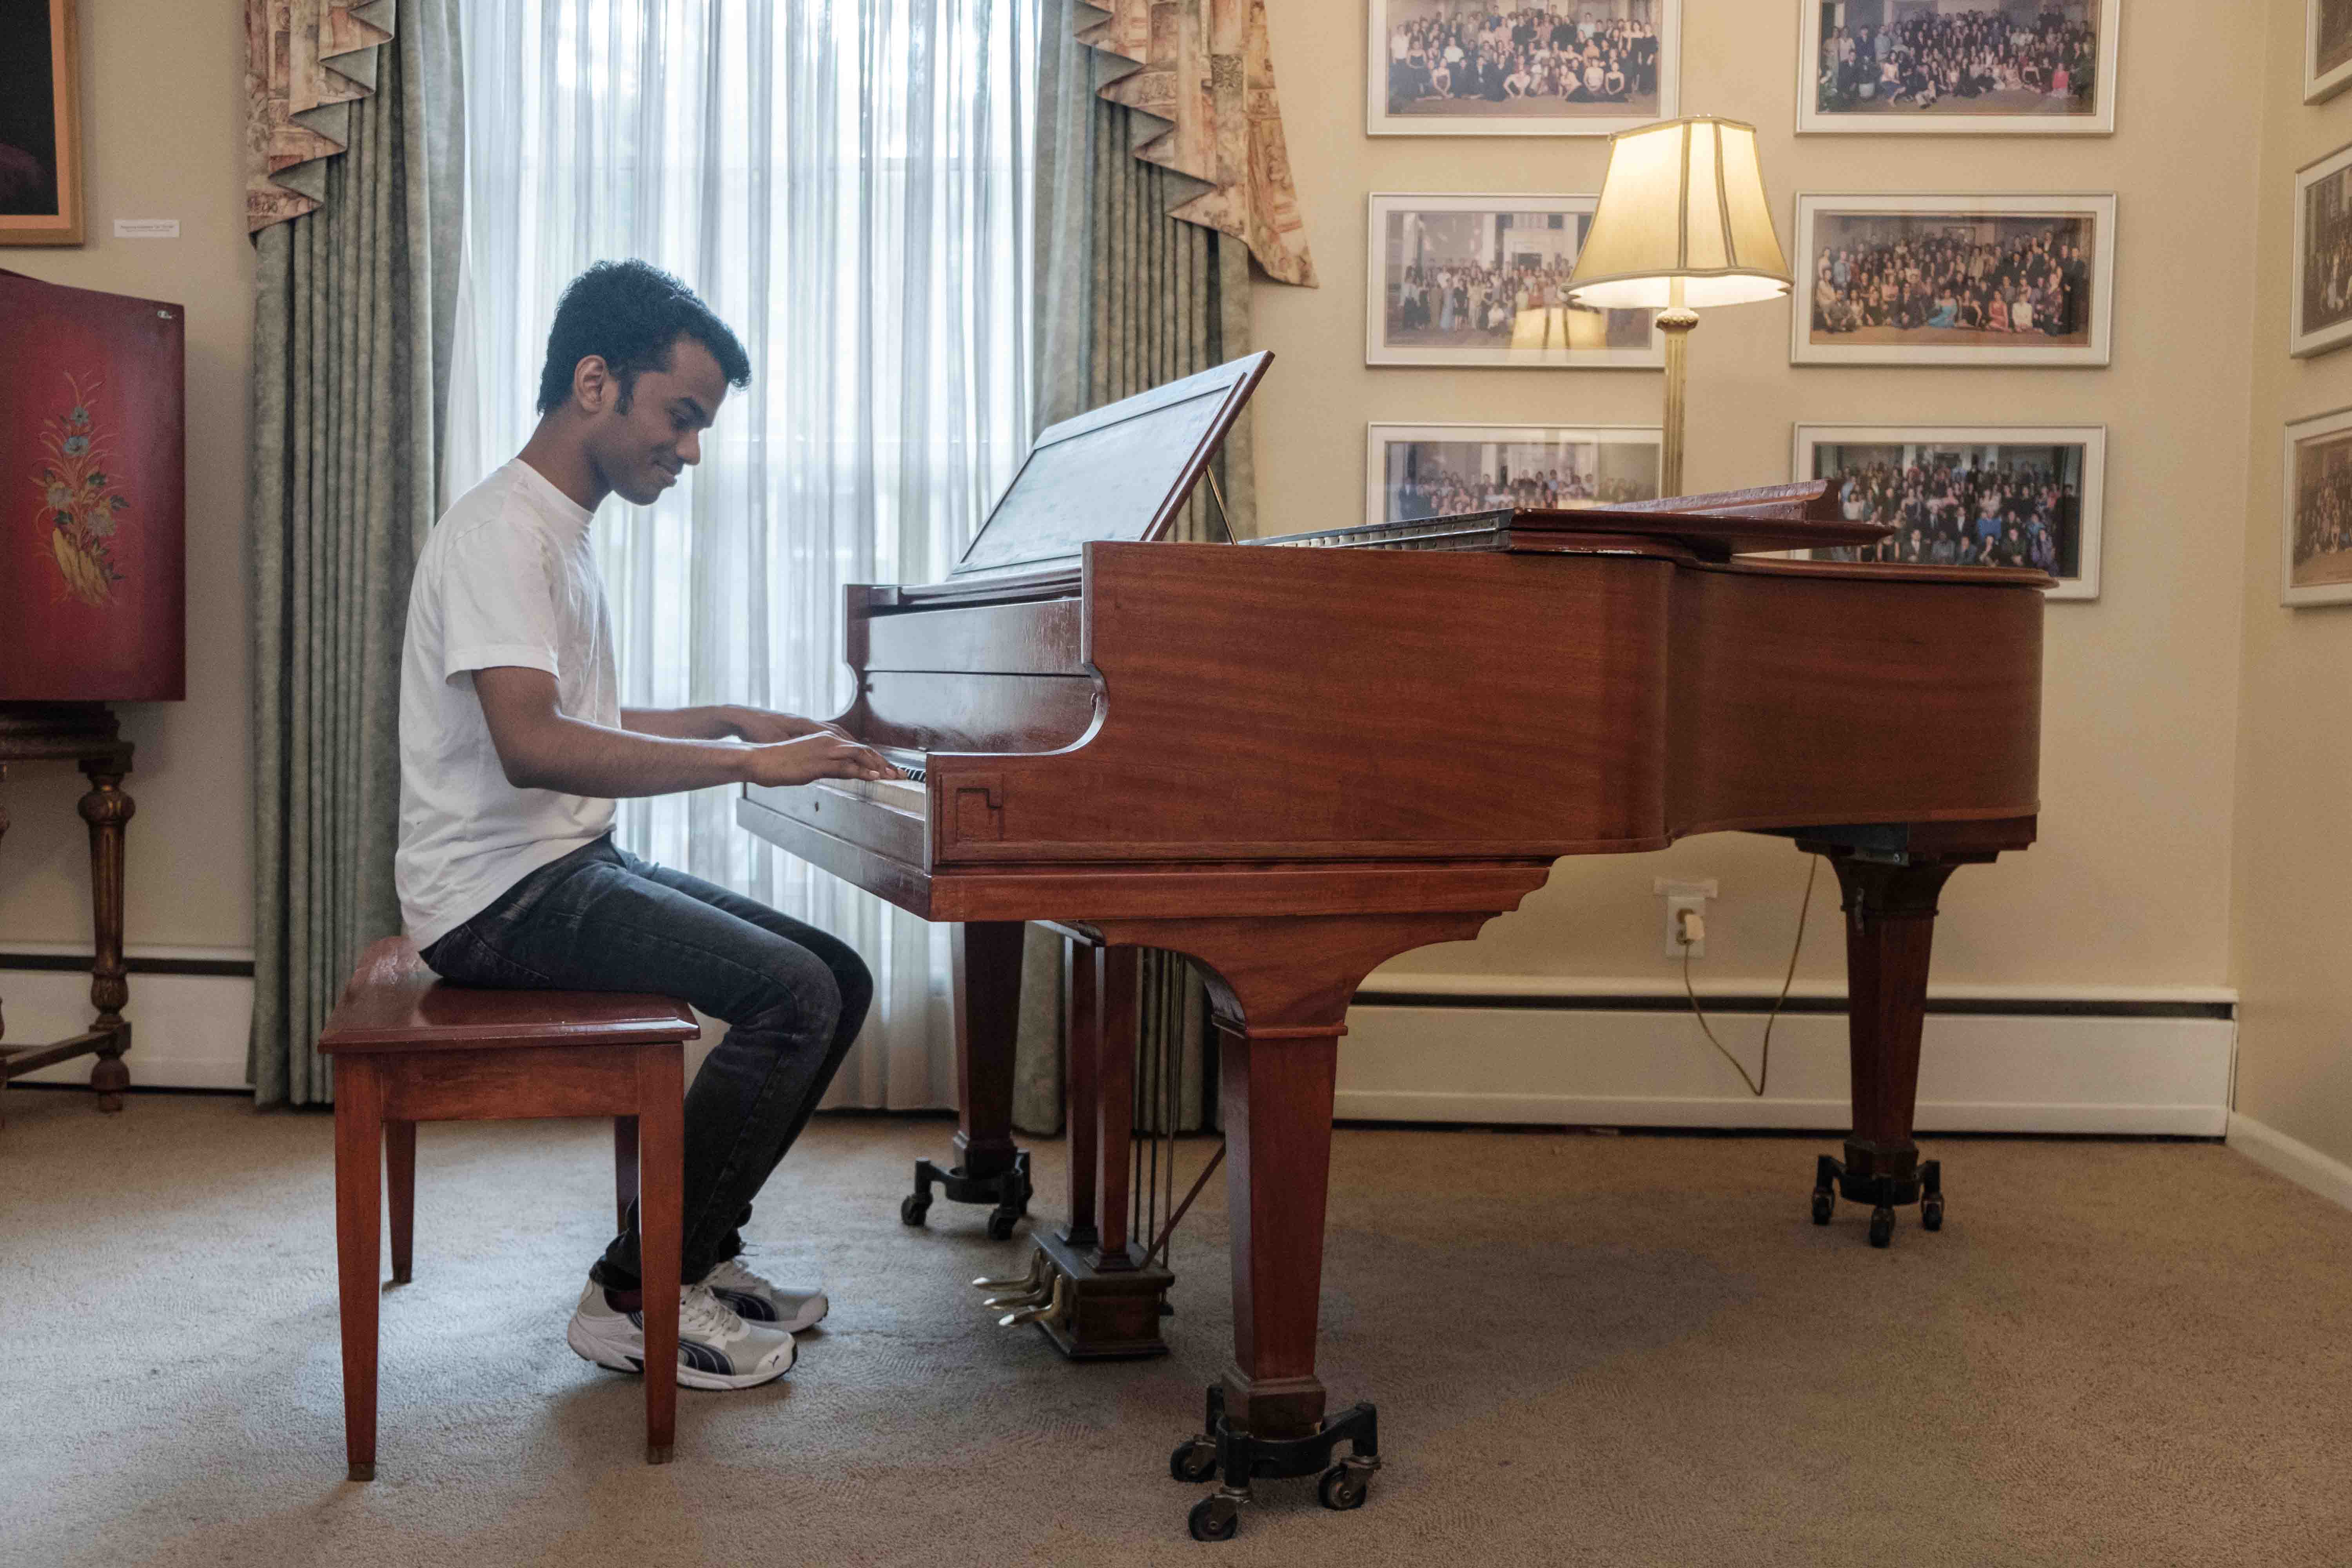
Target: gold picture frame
[[41, 185]]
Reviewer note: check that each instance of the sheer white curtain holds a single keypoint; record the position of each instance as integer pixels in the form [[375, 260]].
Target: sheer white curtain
[[844, 183]]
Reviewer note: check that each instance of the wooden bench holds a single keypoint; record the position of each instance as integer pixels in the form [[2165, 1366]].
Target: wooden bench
[[409, 1048]]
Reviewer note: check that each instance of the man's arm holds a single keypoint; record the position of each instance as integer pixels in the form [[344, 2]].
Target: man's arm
[[542, 747], [718, 722]]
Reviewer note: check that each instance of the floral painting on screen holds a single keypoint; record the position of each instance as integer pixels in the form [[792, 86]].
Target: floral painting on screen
[[79, 506]]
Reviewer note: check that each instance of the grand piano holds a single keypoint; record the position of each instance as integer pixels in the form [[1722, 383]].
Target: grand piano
[[1292, 759]]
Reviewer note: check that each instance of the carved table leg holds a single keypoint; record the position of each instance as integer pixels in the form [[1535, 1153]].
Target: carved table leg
[[989, 1168], [107, 809]]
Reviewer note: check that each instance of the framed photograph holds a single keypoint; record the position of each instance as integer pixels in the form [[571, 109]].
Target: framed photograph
[[1995, 495], [1447, 67], [1973, 280], [40, 124], [2320, 308], [2316, 531], [1412, 471], [1958, 67], [2326, 49], [1483, 281]]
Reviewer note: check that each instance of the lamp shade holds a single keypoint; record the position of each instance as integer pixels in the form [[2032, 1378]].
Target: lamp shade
[[1684, 201]]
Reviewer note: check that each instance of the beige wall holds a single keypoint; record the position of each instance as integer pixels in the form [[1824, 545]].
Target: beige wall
[[162, 96], [2129, 885], [2293, 837]]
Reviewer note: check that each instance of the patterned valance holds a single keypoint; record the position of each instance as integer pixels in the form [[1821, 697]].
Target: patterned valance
[[305, 62], [1204, 67]]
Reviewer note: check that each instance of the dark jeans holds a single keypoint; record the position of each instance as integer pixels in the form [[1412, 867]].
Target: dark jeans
[[601, 919]]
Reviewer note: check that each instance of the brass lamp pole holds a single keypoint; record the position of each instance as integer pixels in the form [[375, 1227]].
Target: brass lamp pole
[[1683, 225]]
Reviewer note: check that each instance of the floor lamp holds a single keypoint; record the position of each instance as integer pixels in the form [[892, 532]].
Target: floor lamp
[[1682, 225]]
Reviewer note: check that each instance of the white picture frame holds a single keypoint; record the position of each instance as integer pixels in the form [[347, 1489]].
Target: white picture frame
[[1827, 221], [1626, 460], [1411, 235], [2321, 576], [2326, 49], [1976, 446], [1958, 113], [2322, 217], [1456, 113]]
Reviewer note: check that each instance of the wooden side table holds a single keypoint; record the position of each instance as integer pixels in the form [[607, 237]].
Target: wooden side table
[[89, 734]]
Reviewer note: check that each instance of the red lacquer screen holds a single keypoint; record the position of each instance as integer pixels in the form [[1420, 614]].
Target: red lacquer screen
[[93, 454]]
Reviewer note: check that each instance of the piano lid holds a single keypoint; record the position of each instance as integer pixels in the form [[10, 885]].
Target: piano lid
[[1121, 472]]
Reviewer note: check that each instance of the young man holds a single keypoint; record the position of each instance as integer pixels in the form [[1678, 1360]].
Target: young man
[[513, 745]]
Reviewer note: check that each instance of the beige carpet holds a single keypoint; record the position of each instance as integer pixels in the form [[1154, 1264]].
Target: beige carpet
[[1585, 1350]]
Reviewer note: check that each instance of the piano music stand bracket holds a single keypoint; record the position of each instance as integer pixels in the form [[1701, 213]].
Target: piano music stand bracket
[[1241, 1459], [1009, 1190]]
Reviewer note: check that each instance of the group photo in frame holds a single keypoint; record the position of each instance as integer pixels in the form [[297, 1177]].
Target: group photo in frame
[[1521, 68], [1957, 68], [2320, 305], [1416, 471], [1483, 281], [40, 124], [2024, 495], [2315, 521], [2326, 49], [2014, 280]]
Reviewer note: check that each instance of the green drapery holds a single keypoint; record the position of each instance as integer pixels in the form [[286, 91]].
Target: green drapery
[[352, 310], [1127, 297]]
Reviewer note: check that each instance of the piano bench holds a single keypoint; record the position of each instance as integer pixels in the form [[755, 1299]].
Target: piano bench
[[408, 1047]]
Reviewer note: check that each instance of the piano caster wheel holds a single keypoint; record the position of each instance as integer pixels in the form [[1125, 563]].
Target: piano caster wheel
[[913, 1207], [1000, 1224], [1214, 1517], [1881, 1225], [1342, 1488], [1931, 1212], [1824, 1205], [1195, 1461]]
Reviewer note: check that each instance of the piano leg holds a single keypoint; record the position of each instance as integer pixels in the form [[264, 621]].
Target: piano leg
[[1890, 925], [1281, 989], [988, 1168]]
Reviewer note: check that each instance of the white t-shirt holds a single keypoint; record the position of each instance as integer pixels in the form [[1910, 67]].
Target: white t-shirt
[[507, 578]]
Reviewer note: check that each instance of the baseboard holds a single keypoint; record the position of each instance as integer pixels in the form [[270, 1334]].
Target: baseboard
[[188, 1031], [2014, 1070], [2298, 1161]]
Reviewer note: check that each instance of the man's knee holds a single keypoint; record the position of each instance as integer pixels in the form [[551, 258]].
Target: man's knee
[[855, 984]]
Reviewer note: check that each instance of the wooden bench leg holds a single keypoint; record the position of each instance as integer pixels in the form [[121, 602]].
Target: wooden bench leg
[[359, 1160], [661, 1177], [625, 1168], [400, 1191]]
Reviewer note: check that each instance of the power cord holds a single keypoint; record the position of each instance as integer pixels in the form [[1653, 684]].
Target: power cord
[[1764, 1069]]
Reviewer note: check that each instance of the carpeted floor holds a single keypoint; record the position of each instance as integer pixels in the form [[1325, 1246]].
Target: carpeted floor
[[1585, 1349]]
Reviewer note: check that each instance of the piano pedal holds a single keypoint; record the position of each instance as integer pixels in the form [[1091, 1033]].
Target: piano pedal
[[1052, 1311], [1035, 1275]]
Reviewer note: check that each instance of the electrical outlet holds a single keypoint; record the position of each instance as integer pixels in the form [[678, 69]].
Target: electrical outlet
[[1679, 897]]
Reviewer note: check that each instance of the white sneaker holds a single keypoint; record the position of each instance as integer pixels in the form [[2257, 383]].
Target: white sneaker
[[765, 1303], [716, 1349]]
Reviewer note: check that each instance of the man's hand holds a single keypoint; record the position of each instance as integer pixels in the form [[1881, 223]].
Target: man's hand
[[762, 728], [823, 754]]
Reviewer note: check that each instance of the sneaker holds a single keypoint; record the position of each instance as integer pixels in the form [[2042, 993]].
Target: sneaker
[[716, 1349], [790, 1308]]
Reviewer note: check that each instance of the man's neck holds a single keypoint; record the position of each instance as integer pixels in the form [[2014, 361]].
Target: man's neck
[[565, 464]]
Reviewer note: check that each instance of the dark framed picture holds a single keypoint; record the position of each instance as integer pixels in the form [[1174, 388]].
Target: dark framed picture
[[1521, 68], [2316, 527], [2023, 280], [1413, 471], [40, 124], [1970, 495], [2321, 305], [1958, 67], [1483, 281], [2326, 49]]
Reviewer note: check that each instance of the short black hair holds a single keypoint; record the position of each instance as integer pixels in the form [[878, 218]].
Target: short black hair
[[632, 314]]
